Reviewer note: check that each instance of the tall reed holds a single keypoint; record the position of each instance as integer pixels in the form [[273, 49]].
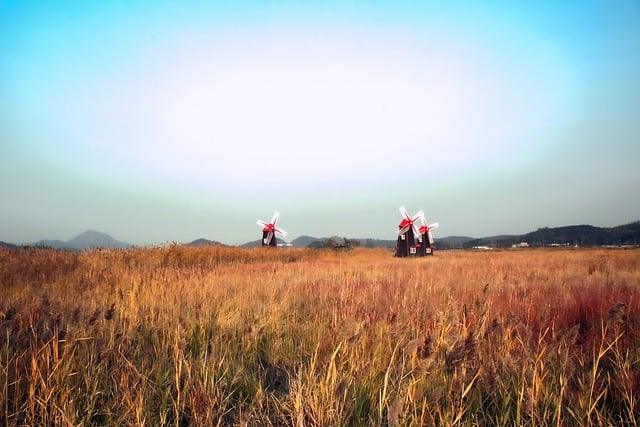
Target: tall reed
[[180, 335]]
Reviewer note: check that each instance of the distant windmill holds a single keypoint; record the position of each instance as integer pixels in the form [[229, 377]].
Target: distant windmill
[[427, 247], [407, 233], [269, 229]]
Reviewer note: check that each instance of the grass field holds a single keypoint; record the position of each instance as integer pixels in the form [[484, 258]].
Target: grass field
[[228, 336]]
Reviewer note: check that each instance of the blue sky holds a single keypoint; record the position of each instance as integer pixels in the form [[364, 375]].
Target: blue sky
[[171, 121]]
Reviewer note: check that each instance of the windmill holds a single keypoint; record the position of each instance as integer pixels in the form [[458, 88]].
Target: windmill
[[427, 246], [407, 233], [269, 229]]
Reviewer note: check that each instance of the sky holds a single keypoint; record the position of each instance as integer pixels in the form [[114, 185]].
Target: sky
[[166, 121]]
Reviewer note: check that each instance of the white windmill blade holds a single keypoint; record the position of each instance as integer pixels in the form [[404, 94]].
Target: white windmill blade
[[403, 230], [404, 213], [274, 220], [280, 231], [430, 237], [261, 223], [416, 232], [417, 216], [434, 225], [267, 239]]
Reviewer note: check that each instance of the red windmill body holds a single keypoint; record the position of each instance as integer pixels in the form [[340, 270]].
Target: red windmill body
[[269, 229]]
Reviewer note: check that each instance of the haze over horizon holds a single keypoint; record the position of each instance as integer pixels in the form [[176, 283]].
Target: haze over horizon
[[156, 121]]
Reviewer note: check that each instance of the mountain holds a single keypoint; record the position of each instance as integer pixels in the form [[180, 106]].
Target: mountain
[[304, 241], [333, 241], [581, 235], [309, 241], [5, 245], [55, 244], [494, 241], [586, 235], [452, 242], [377, 243], [86, 240], [95, 239], [573, 234], [628, 233], [204, 242], [256, 243]]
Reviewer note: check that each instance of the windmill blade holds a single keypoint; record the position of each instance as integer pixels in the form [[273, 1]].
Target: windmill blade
[[274, 220], [280, 231], [267, 239], [418, 216], [430, 237], [404, 213], [434, 225], [416, 233], [403, 230], [261, 223]]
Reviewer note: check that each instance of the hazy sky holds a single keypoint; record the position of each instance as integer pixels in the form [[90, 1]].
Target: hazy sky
[[169, 121]]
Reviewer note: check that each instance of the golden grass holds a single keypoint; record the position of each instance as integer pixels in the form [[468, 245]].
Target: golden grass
[[229, 336]]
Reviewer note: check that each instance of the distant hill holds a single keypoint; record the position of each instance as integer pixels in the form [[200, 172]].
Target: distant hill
[[86, 240], [309, 241], [256, 243], [581, 235], [95, 239], [452, 242], [586, 235], [204, 242], [304, 241], [494, 241], [321, 242], [377, 243], [55, 244], [627, 234], [6, 245]]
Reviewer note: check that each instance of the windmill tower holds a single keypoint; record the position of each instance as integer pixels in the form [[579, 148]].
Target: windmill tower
[[269, 229], [407, 234], [427, 247]]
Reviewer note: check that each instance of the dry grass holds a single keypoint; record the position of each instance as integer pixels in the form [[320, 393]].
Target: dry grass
[[228, 336]]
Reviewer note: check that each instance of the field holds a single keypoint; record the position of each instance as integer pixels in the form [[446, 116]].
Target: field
[[227, 336]]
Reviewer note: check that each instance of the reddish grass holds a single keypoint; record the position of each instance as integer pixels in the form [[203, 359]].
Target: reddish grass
[[181, 335]]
